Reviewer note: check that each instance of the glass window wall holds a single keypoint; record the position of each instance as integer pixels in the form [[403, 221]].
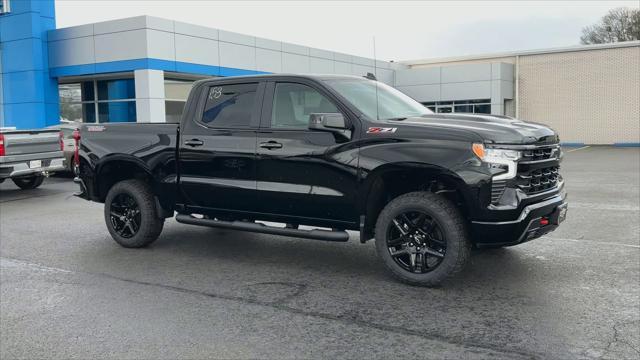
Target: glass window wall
[[115, 102]]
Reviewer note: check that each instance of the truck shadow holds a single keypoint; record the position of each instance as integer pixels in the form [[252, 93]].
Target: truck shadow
[[252, 251]]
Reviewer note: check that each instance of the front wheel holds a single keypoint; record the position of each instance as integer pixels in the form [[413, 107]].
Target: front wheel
[[28, 183], [131, 215], [421, 239]]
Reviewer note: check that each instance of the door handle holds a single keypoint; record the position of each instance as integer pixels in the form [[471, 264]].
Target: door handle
[[271, 145], [194, 142]]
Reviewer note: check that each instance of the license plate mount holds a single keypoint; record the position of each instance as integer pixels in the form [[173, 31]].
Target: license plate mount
[[35, 164]]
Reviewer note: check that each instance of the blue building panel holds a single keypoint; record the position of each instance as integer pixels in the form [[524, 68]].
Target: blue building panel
[[210, 70], [50, 87], [30, 84], [37, 6], [52, 113], [153, 64], [25, 115], [22, 55], [29, 94], [74, 70], [20, 26]]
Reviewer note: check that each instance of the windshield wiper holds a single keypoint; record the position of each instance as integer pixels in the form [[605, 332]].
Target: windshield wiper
[[396, 119]]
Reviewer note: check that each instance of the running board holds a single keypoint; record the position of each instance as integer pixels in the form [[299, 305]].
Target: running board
[[315, 234]]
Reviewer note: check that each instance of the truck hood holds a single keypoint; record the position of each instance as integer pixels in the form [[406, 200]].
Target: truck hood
[[491, 128]]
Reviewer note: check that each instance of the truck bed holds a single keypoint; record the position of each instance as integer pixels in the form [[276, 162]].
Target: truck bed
[[18, 143], [140, 140], [30, 153]]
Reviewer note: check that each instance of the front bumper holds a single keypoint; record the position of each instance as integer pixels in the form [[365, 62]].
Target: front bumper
[[24, 168], [526, 227]]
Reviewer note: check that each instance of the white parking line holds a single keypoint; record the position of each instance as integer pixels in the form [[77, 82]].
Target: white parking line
[[580, 148], [594, 242], [601, 206]]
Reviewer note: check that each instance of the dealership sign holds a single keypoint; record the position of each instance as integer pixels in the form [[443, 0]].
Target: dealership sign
[[4, 7]]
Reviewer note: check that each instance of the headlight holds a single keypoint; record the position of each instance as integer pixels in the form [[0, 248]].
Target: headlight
[[501, 154], [498, 156]]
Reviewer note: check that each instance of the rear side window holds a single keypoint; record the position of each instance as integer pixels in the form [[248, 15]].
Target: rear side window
[[293, 103], [230, 105]]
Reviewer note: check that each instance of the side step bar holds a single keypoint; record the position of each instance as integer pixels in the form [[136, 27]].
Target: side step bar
[[315, 234]]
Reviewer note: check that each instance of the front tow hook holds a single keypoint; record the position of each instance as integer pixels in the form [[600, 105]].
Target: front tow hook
[[83, 189]]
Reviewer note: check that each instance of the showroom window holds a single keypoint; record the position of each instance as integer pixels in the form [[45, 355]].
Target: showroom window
[[175, 92], [480, 106], [98, 101]]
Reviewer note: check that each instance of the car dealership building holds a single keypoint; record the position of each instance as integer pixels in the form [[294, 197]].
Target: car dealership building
[[141, 69]]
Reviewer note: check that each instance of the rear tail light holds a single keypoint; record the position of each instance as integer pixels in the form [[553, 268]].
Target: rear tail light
[[2, 152], [61, 140], [76, 152]]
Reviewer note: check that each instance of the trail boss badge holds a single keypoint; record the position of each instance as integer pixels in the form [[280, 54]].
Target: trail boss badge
[[380, 130]]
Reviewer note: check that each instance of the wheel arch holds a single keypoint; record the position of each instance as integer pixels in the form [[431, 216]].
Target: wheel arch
[[389, 181], [116, 168]]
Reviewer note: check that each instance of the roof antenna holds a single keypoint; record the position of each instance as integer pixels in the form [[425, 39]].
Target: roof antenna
[[375, 77]]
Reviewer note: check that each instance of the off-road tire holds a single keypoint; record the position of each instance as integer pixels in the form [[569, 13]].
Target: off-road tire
[[150, 225], [451, 222], [28, 183]]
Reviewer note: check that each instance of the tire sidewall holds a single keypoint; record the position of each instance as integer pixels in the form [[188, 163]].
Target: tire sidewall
[[28, 183], [455, 237], [148, 217]]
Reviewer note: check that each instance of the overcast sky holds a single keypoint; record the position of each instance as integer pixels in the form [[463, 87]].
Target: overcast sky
[[403, 30]]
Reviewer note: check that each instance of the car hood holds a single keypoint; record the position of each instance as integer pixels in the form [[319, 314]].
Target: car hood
[[491, 128]]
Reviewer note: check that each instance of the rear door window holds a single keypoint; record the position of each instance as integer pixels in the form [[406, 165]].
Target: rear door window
[[230, 105]]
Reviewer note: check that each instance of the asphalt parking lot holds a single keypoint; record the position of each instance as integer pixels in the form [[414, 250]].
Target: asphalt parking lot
[[69, 291]]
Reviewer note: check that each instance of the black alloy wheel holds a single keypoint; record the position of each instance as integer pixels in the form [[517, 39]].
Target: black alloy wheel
[[416, 242], [421, 238], [125, 215]]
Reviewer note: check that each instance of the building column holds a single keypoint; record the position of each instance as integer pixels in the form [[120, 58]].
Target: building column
[[501, 86], [150, 95], [29, 95]]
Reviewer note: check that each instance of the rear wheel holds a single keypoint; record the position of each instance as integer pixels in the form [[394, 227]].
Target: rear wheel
[[421, 239], [28, 183], [131, 215]]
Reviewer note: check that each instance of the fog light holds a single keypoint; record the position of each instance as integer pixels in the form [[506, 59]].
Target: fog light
[[544, 221]]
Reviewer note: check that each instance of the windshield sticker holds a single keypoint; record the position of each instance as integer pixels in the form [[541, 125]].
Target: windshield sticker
[[379, 130], [215, 93]]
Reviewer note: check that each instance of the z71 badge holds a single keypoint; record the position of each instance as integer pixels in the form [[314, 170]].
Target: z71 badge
[[380, 130]]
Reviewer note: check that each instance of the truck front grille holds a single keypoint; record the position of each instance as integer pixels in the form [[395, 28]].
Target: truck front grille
[[540, 155], [538, 180]]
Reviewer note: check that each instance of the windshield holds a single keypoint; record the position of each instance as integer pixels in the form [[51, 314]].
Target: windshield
[[390, 104]]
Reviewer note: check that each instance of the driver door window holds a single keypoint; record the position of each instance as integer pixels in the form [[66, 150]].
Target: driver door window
[[293, 103]]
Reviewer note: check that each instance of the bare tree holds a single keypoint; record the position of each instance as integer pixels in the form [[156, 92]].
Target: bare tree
[[621, 24]]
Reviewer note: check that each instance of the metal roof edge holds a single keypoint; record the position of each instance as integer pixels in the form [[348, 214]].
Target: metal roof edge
[[521, 53]]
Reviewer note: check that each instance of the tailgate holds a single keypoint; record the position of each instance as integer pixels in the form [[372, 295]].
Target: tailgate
[[31, 142]]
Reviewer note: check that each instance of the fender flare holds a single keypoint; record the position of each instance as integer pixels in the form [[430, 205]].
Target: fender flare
[[368, 185], [100, 165]]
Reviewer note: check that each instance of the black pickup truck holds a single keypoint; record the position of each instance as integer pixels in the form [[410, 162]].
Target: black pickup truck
[[319, 155]]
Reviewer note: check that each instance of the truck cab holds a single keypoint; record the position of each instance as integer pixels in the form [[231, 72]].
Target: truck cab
[[332, 153]]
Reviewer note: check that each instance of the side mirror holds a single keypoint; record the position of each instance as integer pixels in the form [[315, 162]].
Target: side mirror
[[321, 121], [330, 122]]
